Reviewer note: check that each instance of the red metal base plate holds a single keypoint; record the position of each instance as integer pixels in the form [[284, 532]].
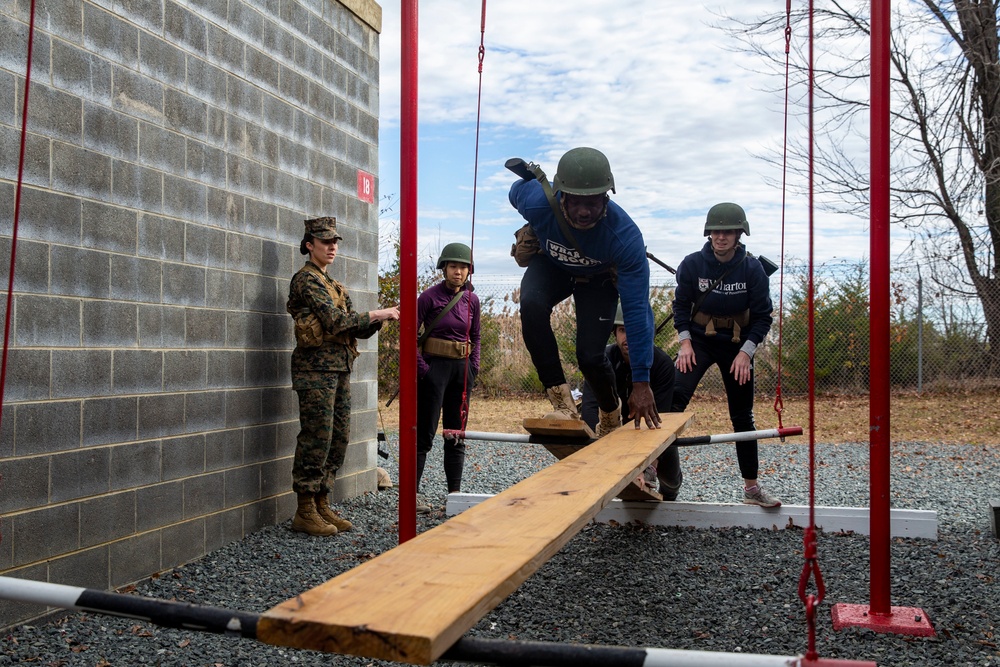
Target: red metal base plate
[[900, 620]]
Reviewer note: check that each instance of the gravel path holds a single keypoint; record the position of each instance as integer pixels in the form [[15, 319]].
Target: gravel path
[[715, 590]]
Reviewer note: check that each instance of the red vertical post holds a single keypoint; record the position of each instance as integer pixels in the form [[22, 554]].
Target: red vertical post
[[878, 382], [408, 273], [880, 616]]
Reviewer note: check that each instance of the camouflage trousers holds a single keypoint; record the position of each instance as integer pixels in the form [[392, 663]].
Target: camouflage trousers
[[325, 430]]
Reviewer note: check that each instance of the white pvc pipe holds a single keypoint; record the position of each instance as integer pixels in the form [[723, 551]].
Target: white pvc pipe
[[39, 592]]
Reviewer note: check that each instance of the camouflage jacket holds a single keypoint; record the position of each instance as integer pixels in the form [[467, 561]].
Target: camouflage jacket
[[308, 293]]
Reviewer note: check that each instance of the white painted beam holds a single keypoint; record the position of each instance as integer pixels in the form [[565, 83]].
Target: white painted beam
[[903, 522]]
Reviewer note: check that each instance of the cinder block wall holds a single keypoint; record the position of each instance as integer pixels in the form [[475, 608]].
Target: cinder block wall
[[173, 150]]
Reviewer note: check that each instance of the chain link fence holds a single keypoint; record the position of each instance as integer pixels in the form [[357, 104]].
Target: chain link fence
[[938, 340]]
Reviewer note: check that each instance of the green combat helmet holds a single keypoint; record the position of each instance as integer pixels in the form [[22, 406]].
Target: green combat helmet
[[726, 216], [456, 252], [584, 171]]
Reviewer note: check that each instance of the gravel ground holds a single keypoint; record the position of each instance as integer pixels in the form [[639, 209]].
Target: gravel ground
[[732, 590]]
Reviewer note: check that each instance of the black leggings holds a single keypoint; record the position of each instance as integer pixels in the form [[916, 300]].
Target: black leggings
[[543, 286], [721, 351], [441, 391]]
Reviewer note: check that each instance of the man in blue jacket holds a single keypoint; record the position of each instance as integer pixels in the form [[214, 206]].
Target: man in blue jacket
[[590, 249], [722, 312]]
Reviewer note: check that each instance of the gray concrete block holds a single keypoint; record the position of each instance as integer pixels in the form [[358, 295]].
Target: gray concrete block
[[183, 284], [242, 407], [184, 198], [185, 113], [204, 411], [205, 328], [226, 209], [184, 28], [13, 612], [287, 433], [44, 321], [277, 332], [109, 420], [81, 473], [136, 186], [243, 253], [159, 505], [228, 528], [110, 36], [161, 238], [184, 370], [205, 246], [278, 42], [227, 368], [36, 160], [275, 477], [262, 216], [242, 485], [137, 372], [184, 542], [161, 148], [25, 483], [206, 81], [243, 174], [81, 373], [244, 99], [224, 290], [56, 114], [110, 228], [146, 14], [135, 464], [136, 279], [161, 60], [107, 518], [262, 368], [28, 375], [203, 494], [80, 72], [110, 324], [83, 172], [134, 558], [183, 457], [44, 533], [245, 21], [205, 163], [243, 329], [47, 427], [161, 415], [279, 115], [261, 293], [32, 271], [110, 132], [85, 569], [260, 443], [275, 259], [81, 272], [161, 326], [223, 449], [47, 216]]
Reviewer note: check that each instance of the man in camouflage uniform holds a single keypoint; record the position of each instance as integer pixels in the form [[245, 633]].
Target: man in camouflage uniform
[[326, 333]]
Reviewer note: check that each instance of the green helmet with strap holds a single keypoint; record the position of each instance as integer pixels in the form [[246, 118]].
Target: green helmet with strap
[[583, 171], [726, 216], [455, 252]]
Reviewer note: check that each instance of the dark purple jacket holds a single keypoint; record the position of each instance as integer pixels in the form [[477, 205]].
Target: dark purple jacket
[[454, 325]]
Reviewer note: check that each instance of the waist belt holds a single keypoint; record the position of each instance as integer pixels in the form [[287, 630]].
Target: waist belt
[[450, 349], [713, 322]]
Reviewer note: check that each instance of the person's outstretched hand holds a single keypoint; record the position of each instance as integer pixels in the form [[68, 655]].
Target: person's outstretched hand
[[642, 406]]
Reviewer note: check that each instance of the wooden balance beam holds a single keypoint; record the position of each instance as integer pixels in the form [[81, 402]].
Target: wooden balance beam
[[412, 603]]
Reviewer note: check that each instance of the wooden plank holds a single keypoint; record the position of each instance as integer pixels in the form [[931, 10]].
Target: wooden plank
[[411, 603], [902, 522], [565, 428]]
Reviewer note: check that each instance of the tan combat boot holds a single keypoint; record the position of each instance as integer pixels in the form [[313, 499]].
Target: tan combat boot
[[328, 515], [563, 405], [609, 421], [308, 520]]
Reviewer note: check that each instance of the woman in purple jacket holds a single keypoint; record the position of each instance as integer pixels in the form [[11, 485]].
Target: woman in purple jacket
[[448, 361]]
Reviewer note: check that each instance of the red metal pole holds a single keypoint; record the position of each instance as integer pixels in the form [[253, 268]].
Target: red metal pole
[[408, 273], [879, 311], [879, 615]]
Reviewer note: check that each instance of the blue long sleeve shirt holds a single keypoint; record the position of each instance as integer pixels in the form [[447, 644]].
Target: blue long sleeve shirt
[[615, 242]]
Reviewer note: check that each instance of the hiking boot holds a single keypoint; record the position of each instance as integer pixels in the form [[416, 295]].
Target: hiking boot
[[307, 519], [384, 481], [423, 507], [563, 405], [755, 495], [609, 421], [329, 515]]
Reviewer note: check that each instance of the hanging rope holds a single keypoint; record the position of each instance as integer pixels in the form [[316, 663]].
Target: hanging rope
[[810, 566], [475, 182]]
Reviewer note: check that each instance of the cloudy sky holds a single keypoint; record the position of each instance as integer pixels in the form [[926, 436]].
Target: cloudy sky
[[663, 93]]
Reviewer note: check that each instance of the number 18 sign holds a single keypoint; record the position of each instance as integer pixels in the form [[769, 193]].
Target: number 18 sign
[[366, 187]]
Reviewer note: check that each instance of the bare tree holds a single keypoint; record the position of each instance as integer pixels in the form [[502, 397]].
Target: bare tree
[[945, 127]]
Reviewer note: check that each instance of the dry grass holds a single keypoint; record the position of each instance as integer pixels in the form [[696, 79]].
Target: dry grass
[[953, 418]]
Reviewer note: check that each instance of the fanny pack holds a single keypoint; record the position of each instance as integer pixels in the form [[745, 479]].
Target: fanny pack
[[449, 349]]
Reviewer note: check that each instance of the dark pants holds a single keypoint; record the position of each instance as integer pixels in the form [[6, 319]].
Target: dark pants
[[543, 286], [441, 391], [721, 350]]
